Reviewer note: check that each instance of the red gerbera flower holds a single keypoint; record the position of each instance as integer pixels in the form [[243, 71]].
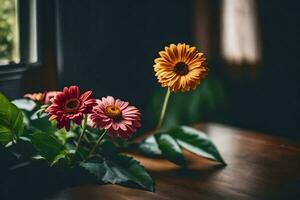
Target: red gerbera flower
[[69, 105]]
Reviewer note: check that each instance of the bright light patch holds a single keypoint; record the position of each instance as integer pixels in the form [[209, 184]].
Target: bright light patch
[[240, 42]]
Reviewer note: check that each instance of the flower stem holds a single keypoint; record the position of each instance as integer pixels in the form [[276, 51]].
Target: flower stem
[[81, 134], [163, 110], [97, 143]]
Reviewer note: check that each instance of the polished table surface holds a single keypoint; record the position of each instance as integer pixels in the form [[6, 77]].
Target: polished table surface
[[259, 167]]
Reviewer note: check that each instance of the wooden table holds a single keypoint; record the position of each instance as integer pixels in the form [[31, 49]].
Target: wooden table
[[259, 167]]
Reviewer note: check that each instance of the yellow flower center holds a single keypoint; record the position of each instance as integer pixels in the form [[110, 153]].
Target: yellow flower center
[[113, 112], [40, 96], [72, 105], [181, 68]]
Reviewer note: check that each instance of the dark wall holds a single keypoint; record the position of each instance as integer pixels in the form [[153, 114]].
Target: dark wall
[[280, 29], [109, 46], [269, 101], [272, 101]]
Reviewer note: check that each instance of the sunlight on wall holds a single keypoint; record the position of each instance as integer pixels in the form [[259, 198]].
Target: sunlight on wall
[[239, 37]]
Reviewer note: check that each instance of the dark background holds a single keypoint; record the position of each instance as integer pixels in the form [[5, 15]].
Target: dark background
[[109, 47]]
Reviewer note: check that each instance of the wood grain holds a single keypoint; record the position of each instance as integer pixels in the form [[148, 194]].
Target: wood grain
[[259, 167]]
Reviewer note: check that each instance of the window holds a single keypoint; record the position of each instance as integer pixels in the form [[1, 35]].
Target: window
[[9, 33], [18, 32], [240, 41]]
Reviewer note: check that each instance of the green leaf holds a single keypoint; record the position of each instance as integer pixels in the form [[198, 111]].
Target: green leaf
[[25, 104], [121, 169], [26, 120], [170, 149], [64, 135], [47, 146], [38, 114], [150, 147], [28, 108], [5, 135], [11, 120], [43, 124], [58, 158], [92, 133], [107, 148], [196, 142], [82, 153], [205, 102]]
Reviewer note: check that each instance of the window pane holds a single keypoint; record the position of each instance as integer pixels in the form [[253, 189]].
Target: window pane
[[9, 33]]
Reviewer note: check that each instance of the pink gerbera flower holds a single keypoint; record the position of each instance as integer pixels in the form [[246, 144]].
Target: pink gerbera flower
[[49, 95], [116, 116], [69, 105]]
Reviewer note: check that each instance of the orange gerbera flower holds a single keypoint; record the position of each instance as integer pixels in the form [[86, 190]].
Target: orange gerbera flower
[[41, 97], [180, 67]]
